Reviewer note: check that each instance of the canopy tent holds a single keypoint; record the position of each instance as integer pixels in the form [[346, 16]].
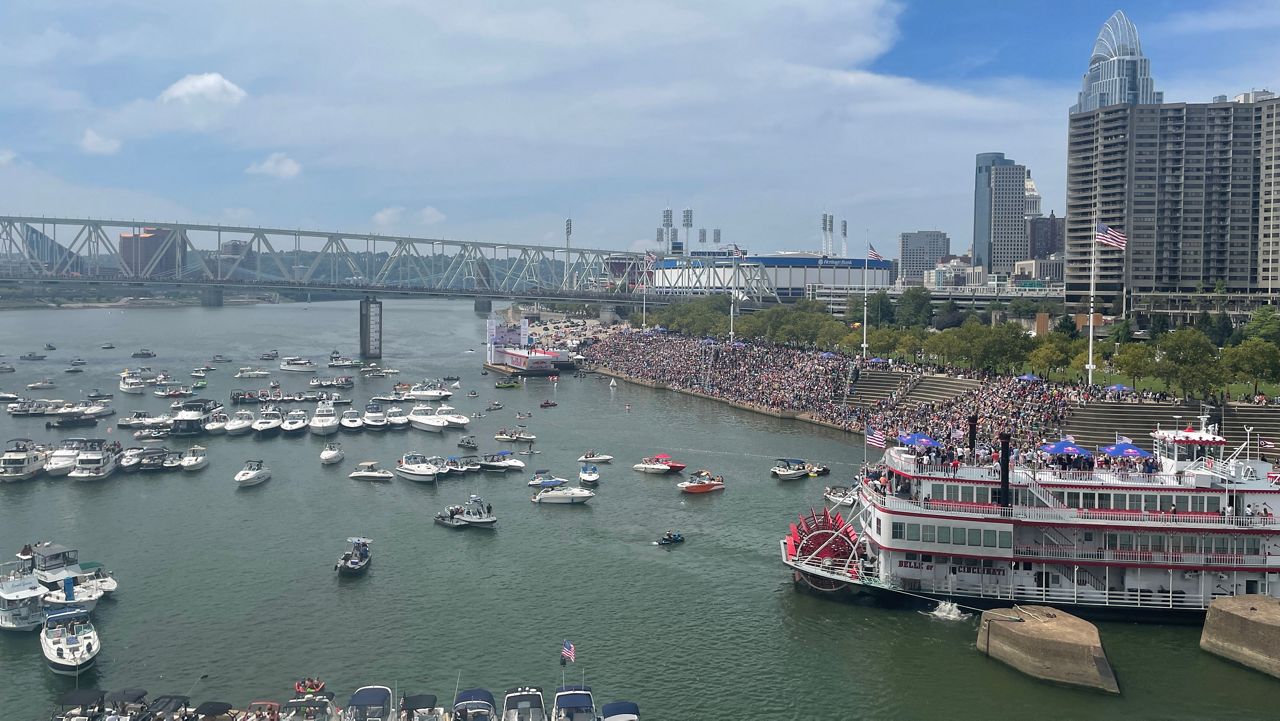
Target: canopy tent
[[1028, 377], [1124, 450], [918, 439], [1065, 447], [1119, 388]]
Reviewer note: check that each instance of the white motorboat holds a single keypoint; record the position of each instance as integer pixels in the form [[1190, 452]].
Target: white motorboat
[[350, 420], [369, 471], [194, 459], [198, 373], [296, 364], [135, 386], [374, 419], [92, 571], [501, 461], [272, 354], [373, 703], [589, 474], [651, 465], [136, 419], [268, 423], [240, 423], [20, 596], [306, 707], [97, 460], [324, 421], [514, 435], [69, 641], [430, 392], [475, 512], [462, 464], [130, 459], [563, 495], [423, 417], [23, 460], [84, 595], [544, 478], [253, 473], [593, 457], [789, 469], [62, 460], [217, 424], [574, 702], [295, 422], [43, 384], [250, 372], [397, 420], [415, 466], [523, 703], [332, 453], [455, 420]]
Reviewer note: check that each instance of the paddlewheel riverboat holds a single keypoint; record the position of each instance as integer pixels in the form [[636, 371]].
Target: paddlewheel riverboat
[[1167, 542]]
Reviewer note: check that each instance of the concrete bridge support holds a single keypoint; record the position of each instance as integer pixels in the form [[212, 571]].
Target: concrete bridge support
[[609, 314], [211, 298], [484, 305], [370, 328]]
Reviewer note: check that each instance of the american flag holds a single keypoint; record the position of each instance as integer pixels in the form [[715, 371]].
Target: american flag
[[1110, 236], [873, 254], [1124, 439], [739, 252], [1264, 443], [650, 258], [568, 652], [876, 439]]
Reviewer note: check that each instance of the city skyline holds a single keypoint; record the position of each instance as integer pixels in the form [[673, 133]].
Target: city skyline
[[497, 125]]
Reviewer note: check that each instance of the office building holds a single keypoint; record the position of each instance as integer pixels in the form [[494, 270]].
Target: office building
[[1033, 198], [999, 213], [152, 252], [1046, 236], [955, 272], [1039, 271], [919, 252], [1118, 72]]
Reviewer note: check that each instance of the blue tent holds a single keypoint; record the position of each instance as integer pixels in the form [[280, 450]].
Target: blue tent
[[918, 439], [877, 360], [1124, 450], [1028, 377], [1119, 387], [708, 341], [1065, 448], [829, 354]]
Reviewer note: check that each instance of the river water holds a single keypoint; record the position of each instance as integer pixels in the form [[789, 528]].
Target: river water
[[237, 585]]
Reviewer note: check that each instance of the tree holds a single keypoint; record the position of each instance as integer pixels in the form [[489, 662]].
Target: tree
[[1121, 332], [948, 316], [1159, 325], [1022, 308], [1204, 324], [1066, 325], [1222, 329], [1253, 361], [915, 308], [1136, 360], [880, 308], [1078, 363], [1047, 358], [882, 341], [1190, 361], [1006, 347], [911, 342], [944, 346], [1264, 324]]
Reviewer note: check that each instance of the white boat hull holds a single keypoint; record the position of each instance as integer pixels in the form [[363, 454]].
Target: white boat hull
[[59, 467], [194, 464], [562, 500], [235, 429], [216, 428], [329, 458], [245, 480], [323, 427], [654, 468], [594, 459], [421, 475], [430, 426]]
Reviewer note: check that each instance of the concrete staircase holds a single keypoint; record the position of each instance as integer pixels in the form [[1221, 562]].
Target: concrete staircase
[[938, 389], [1098, 423], [873, 386]]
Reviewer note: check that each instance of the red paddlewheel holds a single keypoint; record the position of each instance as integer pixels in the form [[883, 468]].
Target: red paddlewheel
[[826, 540]]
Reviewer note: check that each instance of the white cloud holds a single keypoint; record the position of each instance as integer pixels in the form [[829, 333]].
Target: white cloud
[[388, 217], [203, 88], [7, 156], [94, 144], [276, 165], [430, 215]]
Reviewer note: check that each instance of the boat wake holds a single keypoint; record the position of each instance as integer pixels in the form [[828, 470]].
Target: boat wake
[[948, 611]]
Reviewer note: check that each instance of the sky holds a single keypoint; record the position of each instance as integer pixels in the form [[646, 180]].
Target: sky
[[495, 121]]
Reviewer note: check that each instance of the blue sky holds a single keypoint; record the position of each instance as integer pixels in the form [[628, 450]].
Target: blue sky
[[495, 121]]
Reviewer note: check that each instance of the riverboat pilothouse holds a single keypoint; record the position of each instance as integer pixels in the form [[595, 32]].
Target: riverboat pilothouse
[[1161, 540]]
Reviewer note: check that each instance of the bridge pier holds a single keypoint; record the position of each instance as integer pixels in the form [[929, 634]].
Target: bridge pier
[[484, 305], [370, 328], [609, 314], [211, 298]]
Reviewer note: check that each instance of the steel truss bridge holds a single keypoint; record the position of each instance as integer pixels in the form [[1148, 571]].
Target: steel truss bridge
[[214, 258]]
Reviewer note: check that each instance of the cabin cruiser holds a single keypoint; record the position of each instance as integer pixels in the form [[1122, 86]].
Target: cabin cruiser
[[240, 423], [344, 362], [20, 597], [415, 466], [651, 465], [23, 460], [316, 706], [592, 456], [523, 703], [574, 703], [194, 459], [332, 453], [455, 420], [370, 703], [42, 385], [475, 704], [72, 593], [324, 421], [500, 461], [63, 459], [137, 419], [620, 711], [96, 460], [789, 469], [131, 458], [589, 475], [356, 560], [69, 642], [217, 424], [253, 473], [251, 372], [397, 420], [32, 357], [193, 416], [295, 422], [143, 353], [517, 435], [268, 423], [374, 419], [272, 354], [350, 420], [423, 417], [369, 471], [298, 365], [421, 707], [429, 392], [563, 495]]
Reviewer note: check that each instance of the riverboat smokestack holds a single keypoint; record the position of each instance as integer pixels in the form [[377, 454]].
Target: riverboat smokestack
[[973, 439], [1006, 497]]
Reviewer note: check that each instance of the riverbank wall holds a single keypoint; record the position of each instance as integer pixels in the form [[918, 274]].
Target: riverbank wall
[[1244, 629], [1047, 644]]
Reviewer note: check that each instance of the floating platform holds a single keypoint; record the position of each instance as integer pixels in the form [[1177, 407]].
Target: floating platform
[[1244, 629], [514, 372], [1047, 644]]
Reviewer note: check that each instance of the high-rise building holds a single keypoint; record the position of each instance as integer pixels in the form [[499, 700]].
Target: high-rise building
[[1046, 236], [1118, 72], [918, 252], [999, 213], [1033, 198]]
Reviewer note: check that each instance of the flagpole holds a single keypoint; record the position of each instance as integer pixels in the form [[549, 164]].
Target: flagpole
[[865, 269], [1093, 289]]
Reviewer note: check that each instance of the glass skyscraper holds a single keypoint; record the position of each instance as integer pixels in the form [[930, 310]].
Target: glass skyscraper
[[1118, 72]]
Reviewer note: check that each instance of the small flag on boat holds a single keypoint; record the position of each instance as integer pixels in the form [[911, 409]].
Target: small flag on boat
[[876, 439], [1124, 439], [1264, 443], [568, 653]]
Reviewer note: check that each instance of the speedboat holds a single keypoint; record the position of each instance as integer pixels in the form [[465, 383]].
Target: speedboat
[[294, 422], [350, 420], [71, 593], [620, 711], [49, 346], [468, 442], [298, 365], [253, 473], [674, 465], [355, 561], [516, 435], [475, 512], [651, 465], [136, 419], [80, 704], [32, 357], [40, 385], [396, 419], [463, 464], [332, 453], [251, 372], [96, 460], [69, 641], [374, 419], [455, 420], [500, 461], [219, 358], [589, 475], [493, 406], [108, 346], [593, 457], [423, 417], [97, 395], [198, 373], [269, 422], [472, 394], [240, 423], [506, 384], [94, 573], [369, 471], [475, 704], [415, 466], [344, 362], [272, 354], [421, 707], [217, 424], [127, 703], [20, 596], [170, 707], [73, 369], [143, 353], [840, 495], [701, 482], [670, 539], [131, 458], [563, 495], [194, 459], [324, 421], [63, 459], [523, 703], [789, 469], [78, 362], [429, 392], [548, 404], [574, 703], [543, 478], [309, 706]]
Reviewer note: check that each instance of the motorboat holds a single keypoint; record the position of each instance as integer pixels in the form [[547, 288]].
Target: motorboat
[[514, 435], [69, 641], [462, 464], [143, 353], [369, 471], [251, 372], [423, 417], [63, 460], [674, 465], [332, 453], [132, 386], [97, 395], [23, 460], [350, 420], [97, 575], [70, 593], [475, 512], [523, 703], [574, 702], [543, 478], [817, 469], [506, 384], [592, 456], [270, 355], [651, 465], [32, 356], [493, 406], [127, 703], [397, 420], [455, 420], [194, 459], [198, 373], [77, 362], [789, 469], [131, 459], [296, 364], [73, 369], [840, 495], [43, 384], [374, 419], [295, 422], [7, 368], [219, 358], [344, 362], [49, 346], [78, 420], [415, 466], [97, 460], [324, 421], [169, 707], [548, 404], [80, 704], [308, 706], [701, 482], [589, 475], [269, 422], [501, 461], [240, 423], [429, 392], [472, 394], [474, 704], [620, 711], [670, 539], [421, 707], [217, 424], [20, 596], [172, 390], [253, 473], [355, 561], [108, 346], [564, 495]]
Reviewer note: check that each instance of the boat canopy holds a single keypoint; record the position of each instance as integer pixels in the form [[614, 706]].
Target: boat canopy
[[171, 702], [127, 695], [82, 697], [70, 613], [620, 710], [473, 694], [213, 708], [571, 697], [793, 461], [417, 701], [359, 539], [541, 471], [371, 696]]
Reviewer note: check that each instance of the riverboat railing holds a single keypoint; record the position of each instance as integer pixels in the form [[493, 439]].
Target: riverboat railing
[[913, 465], [1067, 553]]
